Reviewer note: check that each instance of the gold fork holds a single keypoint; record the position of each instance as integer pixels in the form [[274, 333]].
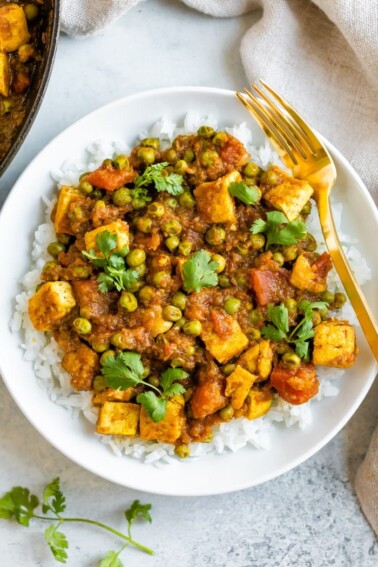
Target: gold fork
[[302, 152]]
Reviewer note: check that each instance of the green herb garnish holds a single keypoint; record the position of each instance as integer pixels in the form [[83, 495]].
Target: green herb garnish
[[18, 503], [199, 271], [249, 195], [275, 233], [156, 175], [278, 328], [115, 274], [125, 370]]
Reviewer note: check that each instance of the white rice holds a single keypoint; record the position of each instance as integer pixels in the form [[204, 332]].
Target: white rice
[[44, 354]]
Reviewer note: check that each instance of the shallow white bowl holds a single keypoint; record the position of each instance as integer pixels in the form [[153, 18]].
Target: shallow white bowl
[[23, 211]]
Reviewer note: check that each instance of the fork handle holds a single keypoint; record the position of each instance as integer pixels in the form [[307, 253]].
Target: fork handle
[[353, 290]]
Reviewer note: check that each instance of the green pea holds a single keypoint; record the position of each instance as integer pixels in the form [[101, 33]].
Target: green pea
[[242, 250], [192, 328], [292, 307], [172, 313], [63, 238], [311, 243], [144, 224], [99, 383], [251, 169], [290, 253], [179, 300], [254, 334], [151, 143], [255, 316], [185, 248], [154, 380], [55, 248], [128, 301], [97, 194], [161, 279], [205, 131], [224, 281], [228, 369], [328, 296], [171, 155], [147, 294], [85, 187], [171, 202], [189, 156], [209, 157], [258, 241], [291, 360], [182, 451], [221, 261], [146, 372], [232, 305], [177, 362], [316, 318], [156, 210], [220, 139], [105, 355], [270, 177], [100, 346], [307, 208], [340, 300], [215, 235], [181, 166], [188, 394], [31, 11], [7, 105], [172, 227], [120, 162], [147, 155], [135, 286], [172, 243], [117, 340], [187, 200], [122, 197], [82, 326], [81, 272], [136, 257], [138, 203], [227, 413], [180, 323], [279, 258]]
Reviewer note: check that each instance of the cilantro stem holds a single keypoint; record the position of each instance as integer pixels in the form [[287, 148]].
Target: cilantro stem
[[126, 538]]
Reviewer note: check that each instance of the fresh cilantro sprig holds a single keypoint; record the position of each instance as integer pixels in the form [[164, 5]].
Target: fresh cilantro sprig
[[156, 175], [275, 233], [199, 271], [112, 262], [247, 194], [20, 504], [278, 326], [125, 370]]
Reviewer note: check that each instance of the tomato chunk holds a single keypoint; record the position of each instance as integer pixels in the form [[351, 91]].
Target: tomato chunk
[[208, 398], [270, 286], [322, 265], [111, 179], [297, 385]]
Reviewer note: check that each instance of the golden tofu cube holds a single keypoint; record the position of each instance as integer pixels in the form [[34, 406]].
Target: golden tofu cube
[[169, 429], [154, 321], [239, 383], [334, 344], [214, 201], [67, 196], [119, 228], [52, 302], [13, 28], [259, 359], [83, 365], [4, 74], [110, 395], [226, 347], [289, 197], [258, 403], [117, 418], [304, 276]]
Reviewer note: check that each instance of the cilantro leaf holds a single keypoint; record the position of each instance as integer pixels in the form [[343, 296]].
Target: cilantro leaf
[[137, 509], [111, 559], [270, 332], [301, 348], [140, 193], [19, 503], [123, 371], [57, 542], [53, 498], [289, 234], [246, 194], [279, 316], [170, 375], [106, 242], [156, 175], [199, 271], [155, 406]]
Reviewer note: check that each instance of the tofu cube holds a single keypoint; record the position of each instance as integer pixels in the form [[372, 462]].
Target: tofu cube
[[258, 403], [239, 383], [259, 360], [117, 418], [110, 395], [13, 28], [52, 302], [154, 322], [67, 196], [214, 201], [4, 74], [289, 197], [83, 365], [119, 228], [223, 348], [305, 276], [334, 344], [169, 429]]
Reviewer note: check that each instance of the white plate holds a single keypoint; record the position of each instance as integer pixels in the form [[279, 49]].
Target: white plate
[[23, 212]]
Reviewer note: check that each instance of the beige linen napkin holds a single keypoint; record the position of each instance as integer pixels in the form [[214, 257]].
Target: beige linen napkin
[[323, 57]]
